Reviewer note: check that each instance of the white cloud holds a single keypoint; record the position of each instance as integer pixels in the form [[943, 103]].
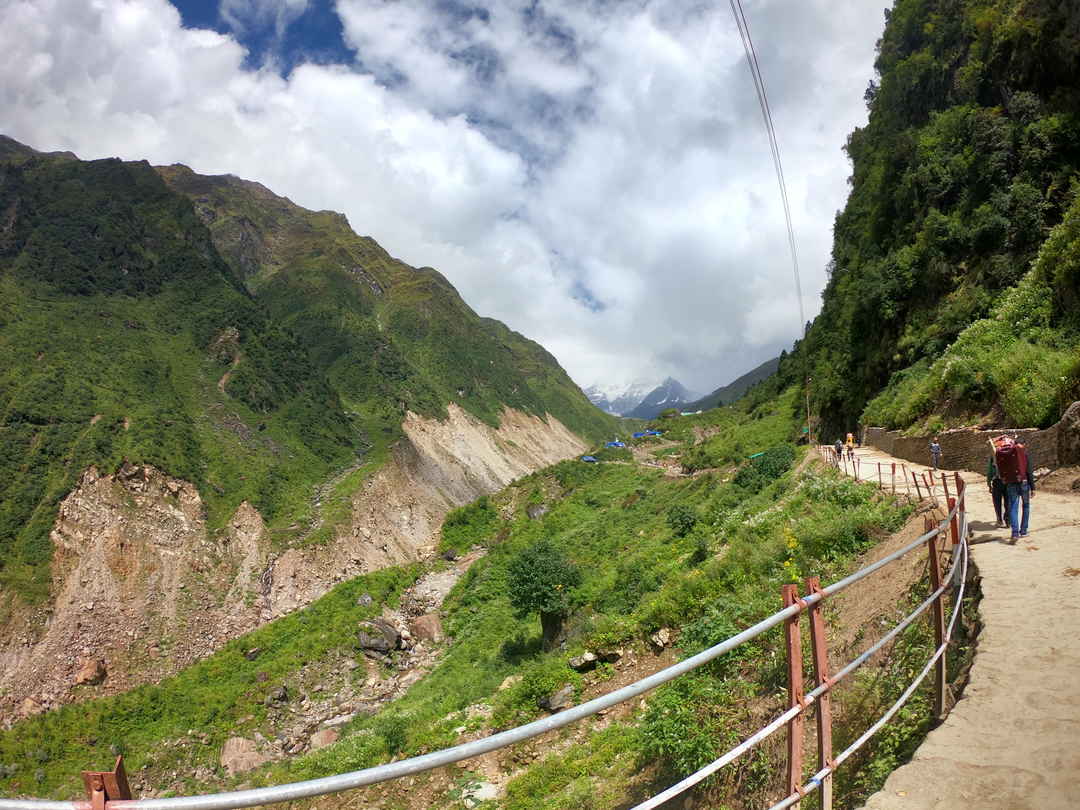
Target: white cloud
[[246, 15], [537, 154]]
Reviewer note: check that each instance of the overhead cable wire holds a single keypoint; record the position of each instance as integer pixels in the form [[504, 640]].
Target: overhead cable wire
[[774, 147]]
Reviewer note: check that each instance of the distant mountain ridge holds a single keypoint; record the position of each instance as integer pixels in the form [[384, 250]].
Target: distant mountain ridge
[[669, 394], [619, 400], [726, 394]]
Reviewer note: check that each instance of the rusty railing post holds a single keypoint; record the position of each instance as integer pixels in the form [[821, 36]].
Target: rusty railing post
[[795, 692], [894, 478], [961, 495], [954, 530], [945, 484], [820, 651], [918, 489], [939, 621], [880, 484], [105, 786]]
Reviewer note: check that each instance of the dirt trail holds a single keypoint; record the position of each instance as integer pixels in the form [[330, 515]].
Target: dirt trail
[[1010, 743]]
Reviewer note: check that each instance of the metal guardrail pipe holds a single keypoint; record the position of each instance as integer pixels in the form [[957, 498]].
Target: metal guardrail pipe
[[381, 773]]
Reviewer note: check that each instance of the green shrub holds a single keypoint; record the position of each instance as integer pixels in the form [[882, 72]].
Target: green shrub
[[681, 519]]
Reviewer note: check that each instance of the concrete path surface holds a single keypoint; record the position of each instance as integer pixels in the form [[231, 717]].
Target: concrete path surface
[[1012, 742]]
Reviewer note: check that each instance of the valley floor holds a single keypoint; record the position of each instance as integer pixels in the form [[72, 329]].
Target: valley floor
[[1010, 742]]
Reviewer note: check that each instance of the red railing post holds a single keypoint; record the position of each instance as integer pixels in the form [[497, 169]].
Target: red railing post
[[894, 478], [918, 490], [939, 621], [880, 483], [795, 692], [820, 651], [954, 531], [945, 484], [105, 786], [961, 495]]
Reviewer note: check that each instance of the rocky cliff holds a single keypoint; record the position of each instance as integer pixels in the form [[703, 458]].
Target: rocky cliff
[[141, 588]]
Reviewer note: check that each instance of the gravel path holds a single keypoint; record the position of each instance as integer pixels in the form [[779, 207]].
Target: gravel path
[[1012, 742]]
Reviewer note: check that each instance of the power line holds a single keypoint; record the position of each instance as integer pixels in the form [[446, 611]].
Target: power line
[[766, 114]]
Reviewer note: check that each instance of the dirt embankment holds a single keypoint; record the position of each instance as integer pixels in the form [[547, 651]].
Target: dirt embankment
[[141, 589]]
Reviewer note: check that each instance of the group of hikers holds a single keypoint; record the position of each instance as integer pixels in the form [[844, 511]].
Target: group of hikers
[[1011, 479], [1009, 475]]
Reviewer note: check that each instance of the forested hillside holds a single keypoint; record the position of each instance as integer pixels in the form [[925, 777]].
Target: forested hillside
[[125, 335], [955, 273]]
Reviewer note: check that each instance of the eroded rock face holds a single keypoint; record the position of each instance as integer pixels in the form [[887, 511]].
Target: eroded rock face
[[139, 582], [132, 565]]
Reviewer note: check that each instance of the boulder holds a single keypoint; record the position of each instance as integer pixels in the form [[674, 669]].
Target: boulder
[[509, 681], [610, 656], [364, 600], [277, 696], [661, 638], [480, 792], [321, 739], [1069, 436], [563, 699], [537, 510], [428, 627], [29, 707], [378, 635], [584, 662], [91, 672], [239, 755]]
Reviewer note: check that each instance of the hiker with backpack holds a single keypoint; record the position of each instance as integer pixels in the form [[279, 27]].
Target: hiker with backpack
[[935, 454], [1014, 468], [997, 490]]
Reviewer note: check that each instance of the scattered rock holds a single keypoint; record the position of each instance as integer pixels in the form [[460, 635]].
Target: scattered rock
[[253, 653], [563, 699], [321, 739], [537, 510], [584, 662], [378, 635], [509, 681], [239, 755], [277, 695], [364, 600], [610, 656], [450, 555], [340, 719], [91, 672], [661, 638], [1069, 436], [428, 627], [481, 792]]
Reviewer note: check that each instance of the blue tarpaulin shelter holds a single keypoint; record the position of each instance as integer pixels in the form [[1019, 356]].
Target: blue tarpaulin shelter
[[616, 444]]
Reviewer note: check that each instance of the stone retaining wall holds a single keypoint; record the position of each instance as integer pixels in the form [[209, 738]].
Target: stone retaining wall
[[969, 449]]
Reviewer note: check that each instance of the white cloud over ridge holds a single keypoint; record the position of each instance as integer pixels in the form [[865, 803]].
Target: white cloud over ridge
[[594, 174]]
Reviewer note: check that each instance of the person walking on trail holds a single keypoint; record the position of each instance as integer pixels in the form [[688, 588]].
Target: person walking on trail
[[839, 448], [1014, 467], [997, 490], [850, 443], [935, 454]]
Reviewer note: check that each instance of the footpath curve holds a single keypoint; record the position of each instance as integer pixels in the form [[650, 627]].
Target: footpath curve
[[1012, 742]]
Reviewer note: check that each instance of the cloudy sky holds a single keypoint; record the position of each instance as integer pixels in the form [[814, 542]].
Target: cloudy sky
[[592, 172]]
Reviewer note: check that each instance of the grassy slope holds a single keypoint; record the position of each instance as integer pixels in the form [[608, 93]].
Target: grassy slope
[[112, 299], [124, 335], [710, 575], [389, 336]]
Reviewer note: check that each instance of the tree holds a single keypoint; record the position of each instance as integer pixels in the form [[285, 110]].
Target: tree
[[542, 580]]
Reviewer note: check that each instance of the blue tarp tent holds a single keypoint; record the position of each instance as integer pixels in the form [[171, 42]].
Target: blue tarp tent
[[615, 444]]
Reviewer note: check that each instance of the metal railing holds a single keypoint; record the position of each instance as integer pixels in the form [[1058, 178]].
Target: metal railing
[[109, 790]]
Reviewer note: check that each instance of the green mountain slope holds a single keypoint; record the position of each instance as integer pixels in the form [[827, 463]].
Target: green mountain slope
[[969, 160], [124, 334], [389, 336], [726, 394]]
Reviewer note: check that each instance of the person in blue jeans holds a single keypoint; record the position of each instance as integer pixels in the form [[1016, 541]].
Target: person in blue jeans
[[1020, 493]]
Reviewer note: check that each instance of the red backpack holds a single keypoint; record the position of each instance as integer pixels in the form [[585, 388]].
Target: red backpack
[[1010, 463]]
